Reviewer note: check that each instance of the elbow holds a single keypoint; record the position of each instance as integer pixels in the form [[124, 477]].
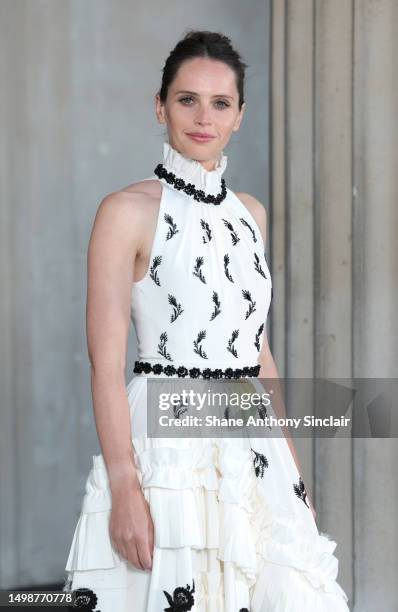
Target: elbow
[[101, 366], [266, 359]]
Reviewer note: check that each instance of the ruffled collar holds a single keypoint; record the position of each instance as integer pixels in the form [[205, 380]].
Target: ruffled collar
[[191, 171]]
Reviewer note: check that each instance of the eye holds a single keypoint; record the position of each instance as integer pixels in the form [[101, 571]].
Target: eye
[[186, 98], [222, 102], [225, 105]]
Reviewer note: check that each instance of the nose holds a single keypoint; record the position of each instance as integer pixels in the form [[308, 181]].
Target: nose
[[203, 116]]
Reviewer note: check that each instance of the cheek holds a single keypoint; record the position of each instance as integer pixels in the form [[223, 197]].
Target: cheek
[[175, 112], [181, 117], [226, 119], [225, 124]]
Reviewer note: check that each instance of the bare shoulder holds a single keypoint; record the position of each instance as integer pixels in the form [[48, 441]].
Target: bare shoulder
[[131, 209], [133, 200], [151, 188], [256, 209]]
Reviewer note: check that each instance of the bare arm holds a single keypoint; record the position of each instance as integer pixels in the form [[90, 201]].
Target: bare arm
[[268, 369], [112, 251]]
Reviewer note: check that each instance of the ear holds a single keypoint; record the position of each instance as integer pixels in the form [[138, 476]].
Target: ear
[[239, 118], [160, 110]]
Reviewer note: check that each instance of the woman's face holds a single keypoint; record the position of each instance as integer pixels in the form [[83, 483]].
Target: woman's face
[[203, 98]]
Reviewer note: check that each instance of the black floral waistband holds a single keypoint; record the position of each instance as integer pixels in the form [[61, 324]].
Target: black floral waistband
[[181, 371]]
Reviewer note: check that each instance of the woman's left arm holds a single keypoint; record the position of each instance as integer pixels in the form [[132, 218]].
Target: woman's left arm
[[269, 372], [268, 369]]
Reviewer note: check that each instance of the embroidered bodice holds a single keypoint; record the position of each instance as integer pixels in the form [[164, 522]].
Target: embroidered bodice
[[205, 298]]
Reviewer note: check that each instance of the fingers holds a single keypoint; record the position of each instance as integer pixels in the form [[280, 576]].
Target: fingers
[[128, 550], [134, 558], [145, 545], [133, 540], [151, 538], [138, 551], [144, 555]]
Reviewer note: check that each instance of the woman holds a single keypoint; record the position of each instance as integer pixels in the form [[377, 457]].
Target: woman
[[207, 524]]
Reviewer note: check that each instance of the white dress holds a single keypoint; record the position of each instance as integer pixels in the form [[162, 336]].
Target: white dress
[[233, 530]]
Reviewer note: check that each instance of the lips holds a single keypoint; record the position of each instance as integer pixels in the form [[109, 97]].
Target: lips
[[200, 137]]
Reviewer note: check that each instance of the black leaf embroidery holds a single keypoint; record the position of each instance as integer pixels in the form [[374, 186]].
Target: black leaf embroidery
[[234, 235], [177, 310], [206, 227], [258, 335], [257, 266], [180, 408], [162, 346], [226, 262], [228, 414], [300, 491], [260, 462], [182, 599], [217, 308], [173, 226], [250, 228], [263, 413], [153, 271], [197, 348], [252, 305], [231, 341], [197, 271]]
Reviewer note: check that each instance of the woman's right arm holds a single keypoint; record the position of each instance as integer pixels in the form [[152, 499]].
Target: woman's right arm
[[114, 244]]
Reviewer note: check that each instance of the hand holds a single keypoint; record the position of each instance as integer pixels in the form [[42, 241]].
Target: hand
[[131, 528]]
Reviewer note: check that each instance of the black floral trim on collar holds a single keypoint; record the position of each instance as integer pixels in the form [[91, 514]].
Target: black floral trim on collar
[[190, 189]]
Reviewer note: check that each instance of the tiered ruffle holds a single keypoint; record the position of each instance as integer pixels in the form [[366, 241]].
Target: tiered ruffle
[[204, 497]]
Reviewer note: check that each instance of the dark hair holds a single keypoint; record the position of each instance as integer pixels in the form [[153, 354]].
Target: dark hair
[[202, 43]]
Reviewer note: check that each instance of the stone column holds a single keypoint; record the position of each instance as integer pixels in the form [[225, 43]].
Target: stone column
[[335, 256]]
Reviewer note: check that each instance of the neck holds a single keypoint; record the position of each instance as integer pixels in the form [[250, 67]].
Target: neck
[[200, 174]]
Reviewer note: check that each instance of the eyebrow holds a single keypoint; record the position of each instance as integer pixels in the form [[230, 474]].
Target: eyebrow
[[195, 94]]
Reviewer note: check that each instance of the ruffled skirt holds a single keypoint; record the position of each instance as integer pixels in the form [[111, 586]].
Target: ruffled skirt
[[232, 530]]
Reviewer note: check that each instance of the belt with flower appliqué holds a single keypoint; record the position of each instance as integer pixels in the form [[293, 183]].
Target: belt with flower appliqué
[[194, 372]]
